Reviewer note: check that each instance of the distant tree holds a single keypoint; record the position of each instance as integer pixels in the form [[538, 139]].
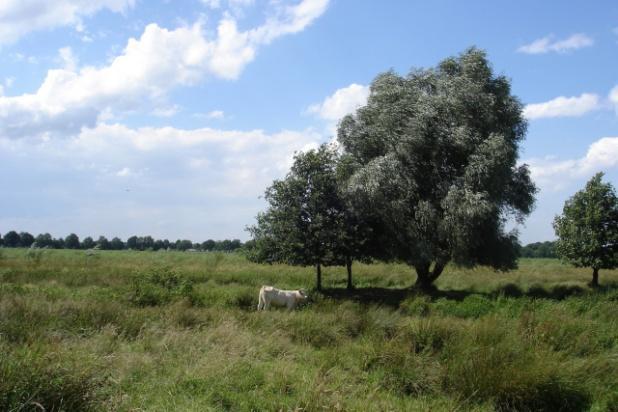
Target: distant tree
[[208, 245], [183, 245], [44, 240], [25, 239], [235, 244], [434, 157], [116, 244], [103, 243], [158, 245], [1, 240], [58, 243], [166, 243], [88, 243], [539, 250], [587, 230], [305, 223], [71, 241], [132, 243], [11, 239], [147, 243], [226, 245]]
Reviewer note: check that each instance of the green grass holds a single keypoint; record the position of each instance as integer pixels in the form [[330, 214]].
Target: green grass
[[161, 331]]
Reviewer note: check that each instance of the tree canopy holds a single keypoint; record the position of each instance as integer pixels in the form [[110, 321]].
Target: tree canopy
[[587, 230], [307, 222], [433, 158]]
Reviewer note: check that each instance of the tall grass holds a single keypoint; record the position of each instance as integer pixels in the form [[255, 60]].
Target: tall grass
[[179, 331]]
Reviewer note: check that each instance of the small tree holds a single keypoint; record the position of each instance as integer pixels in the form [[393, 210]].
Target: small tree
[[306, 223], [88, 243], [103, 243], [44, 240], [588, 228], [11, 239], [26, 239], [71, 241], [116, 244]]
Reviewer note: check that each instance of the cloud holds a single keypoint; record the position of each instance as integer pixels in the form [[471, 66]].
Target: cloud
[[344, 101], [194, 183], [149, 67], [69, 60], [20, 17], [563, 107], [602, 155], [216, 114], [613, 98], [547, 44]]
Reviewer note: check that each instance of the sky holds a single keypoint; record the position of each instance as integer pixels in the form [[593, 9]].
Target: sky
[[170, 118]]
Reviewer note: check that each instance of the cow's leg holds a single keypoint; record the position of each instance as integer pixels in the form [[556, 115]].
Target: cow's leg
[[260, 302]]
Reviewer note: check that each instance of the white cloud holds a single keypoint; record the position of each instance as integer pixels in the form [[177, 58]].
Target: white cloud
[[613, 98], [166, 111], [547, 44], [563, 107], [213, 4], [216, 114], [69, 60], [124, 172], [344, 101], [602, 155], [20, 17], [146, 70]]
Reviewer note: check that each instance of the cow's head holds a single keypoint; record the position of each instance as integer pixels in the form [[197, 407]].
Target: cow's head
[[302, 296]]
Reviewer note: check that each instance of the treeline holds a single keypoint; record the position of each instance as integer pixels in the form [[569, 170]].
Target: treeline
[[72, 241], [539, 250]]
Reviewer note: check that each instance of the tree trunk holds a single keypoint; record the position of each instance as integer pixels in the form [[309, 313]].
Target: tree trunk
[[425, 277], [595, 278], [318, 268], [348, 264]]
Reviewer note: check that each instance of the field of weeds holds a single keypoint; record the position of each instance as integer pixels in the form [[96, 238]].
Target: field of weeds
[[152, 331]]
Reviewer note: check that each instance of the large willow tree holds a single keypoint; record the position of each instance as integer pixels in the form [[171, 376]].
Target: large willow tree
[[433, 158]]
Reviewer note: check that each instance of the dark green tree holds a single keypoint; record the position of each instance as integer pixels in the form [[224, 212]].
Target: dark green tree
[[88, 243], [147, 242], [11, 239], [132, 243], [588, 228], [183, 245], [208, 245], [58, 243], [103, 243], [116, 244], [434, 163], [25, 239], [71, 241], [158, 245], [305, 223], [44, 240]]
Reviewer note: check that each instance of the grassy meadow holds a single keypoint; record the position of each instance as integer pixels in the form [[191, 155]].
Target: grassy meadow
[[173, 331]]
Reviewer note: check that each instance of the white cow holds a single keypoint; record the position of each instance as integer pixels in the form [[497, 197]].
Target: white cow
[[288, 298]]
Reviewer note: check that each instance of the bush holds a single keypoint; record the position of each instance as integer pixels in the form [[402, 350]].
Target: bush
[[160, 287]]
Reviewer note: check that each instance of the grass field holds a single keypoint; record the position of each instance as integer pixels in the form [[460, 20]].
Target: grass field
[[152, 331]]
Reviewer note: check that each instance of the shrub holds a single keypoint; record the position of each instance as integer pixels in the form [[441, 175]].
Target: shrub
[[416, 306], [159, 287]]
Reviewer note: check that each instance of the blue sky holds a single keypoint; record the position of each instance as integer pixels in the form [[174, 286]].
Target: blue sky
[[170, 118]]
